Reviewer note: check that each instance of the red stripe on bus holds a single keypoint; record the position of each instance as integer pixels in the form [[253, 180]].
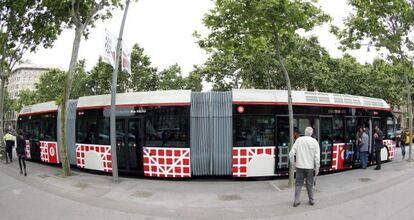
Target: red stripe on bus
[[309, 104], [135, 105]]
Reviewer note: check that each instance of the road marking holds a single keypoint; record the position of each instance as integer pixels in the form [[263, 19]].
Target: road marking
[[274, 186], [17, 191]]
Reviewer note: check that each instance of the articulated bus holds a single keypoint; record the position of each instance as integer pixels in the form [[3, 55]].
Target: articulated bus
[[183, 134]]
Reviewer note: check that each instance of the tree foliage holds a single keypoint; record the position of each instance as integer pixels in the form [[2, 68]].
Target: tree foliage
[[144, 75], [25, 97], [99, 82], [385, 25], [24, 26], [171, 79], [253, 32]]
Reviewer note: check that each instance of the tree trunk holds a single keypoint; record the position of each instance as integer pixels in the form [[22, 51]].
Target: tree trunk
[[2, 93], [64, 104], [290, 106], [410, 113]]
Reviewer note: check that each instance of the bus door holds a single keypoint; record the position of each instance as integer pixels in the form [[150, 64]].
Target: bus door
[[350, 141], [326, 140], [34, 134], [362, 122], [282, 144], [282, 137], [135, 142], [129, 136], [302, 122], [376, 121]]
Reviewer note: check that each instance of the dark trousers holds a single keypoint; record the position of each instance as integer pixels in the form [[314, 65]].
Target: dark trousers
[[9, 153], [301, 176], [378, 158], [403, 150], [22, 161]]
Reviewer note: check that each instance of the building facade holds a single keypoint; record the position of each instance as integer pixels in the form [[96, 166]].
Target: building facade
[[23, 77]]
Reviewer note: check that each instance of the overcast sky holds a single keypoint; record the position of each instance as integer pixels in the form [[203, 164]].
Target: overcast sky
[[164, 29]]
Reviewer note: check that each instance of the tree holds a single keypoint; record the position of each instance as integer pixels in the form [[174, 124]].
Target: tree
[[194, 81], [99, 79], [24, 26], [387, 25], [222, 70], [246, 27], [25, 97], [51, 84], [171, 78], [80, 15], [144, 76]]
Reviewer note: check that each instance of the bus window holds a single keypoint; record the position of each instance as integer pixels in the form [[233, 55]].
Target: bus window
[[282, 159], [338, 130], [167, 131], [326, 140], [103, 131], [86, 131], [390, 128], [48, 128], [34, 130], [350, 140], [254, 131], [303, 123]]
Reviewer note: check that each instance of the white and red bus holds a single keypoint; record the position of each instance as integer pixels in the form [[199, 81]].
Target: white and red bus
[[182, 134]]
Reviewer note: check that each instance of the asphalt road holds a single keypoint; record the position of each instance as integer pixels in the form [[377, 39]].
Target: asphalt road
[[357, 194]]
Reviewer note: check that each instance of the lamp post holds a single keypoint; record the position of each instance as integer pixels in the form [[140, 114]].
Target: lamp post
[[113, 98]]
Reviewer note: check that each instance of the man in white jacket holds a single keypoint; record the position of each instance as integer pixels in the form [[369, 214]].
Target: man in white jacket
[[306, 150]]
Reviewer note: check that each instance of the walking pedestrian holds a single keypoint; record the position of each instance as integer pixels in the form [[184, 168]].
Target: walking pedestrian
[[403, 141], [9, 139], [21, 153], [378, 137], [364, 148], [306, 150]]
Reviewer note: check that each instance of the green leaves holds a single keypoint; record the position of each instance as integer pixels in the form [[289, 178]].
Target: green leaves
[[384, 24], [24, 26], [98, 81], [241, 42]]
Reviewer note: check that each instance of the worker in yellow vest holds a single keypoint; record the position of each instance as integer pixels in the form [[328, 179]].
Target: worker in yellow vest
[[10, 140]]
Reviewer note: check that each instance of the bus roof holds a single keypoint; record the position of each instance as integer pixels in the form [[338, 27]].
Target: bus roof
[[39, 108], [151, 98], [258, 96], [240, 96]]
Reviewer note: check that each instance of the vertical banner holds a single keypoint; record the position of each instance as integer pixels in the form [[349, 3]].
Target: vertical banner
[[126, 59], [109, 52]]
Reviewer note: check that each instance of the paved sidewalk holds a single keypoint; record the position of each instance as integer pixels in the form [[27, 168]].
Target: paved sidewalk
[[343, 195]]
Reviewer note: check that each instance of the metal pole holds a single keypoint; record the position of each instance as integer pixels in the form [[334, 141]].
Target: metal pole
[[113, 98]]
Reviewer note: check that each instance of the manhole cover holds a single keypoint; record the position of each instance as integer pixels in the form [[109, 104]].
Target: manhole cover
[[43, 176], [141, 194], [229, 197], [60, 174], [81, 185], [365, 179], [283, 187]]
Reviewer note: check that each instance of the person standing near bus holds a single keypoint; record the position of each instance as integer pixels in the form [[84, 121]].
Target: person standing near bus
[[306, 150], [9, 139], [364, 148], [21, 152], [378, 137]]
